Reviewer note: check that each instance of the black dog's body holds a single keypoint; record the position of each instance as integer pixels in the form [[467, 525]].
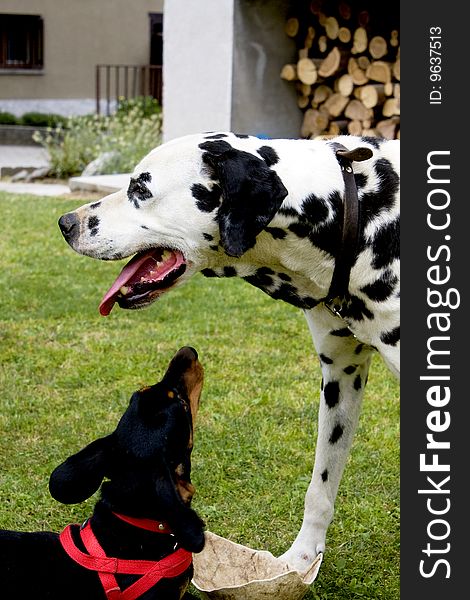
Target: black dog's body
[[31, 561], [147, 461], [34, 565]]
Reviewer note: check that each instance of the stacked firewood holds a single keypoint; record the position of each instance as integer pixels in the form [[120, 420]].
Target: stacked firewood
[[347, 73]]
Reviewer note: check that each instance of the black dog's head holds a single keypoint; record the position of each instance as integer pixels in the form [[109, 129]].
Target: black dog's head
[[147, 458]]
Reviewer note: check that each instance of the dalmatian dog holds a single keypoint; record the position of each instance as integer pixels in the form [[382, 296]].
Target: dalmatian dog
[[270, 212]]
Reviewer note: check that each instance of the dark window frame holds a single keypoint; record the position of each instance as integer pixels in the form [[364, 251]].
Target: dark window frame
[[21, 42], [156, 38]]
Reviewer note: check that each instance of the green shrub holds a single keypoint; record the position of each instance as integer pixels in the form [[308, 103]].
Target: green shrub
[[36, 119], [72, 146], [7, 118], [129, 135], [146, 105]]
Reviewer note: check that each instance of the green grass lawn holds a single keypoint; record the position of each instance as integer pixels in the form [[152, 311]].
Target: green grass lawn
[[66, 376]]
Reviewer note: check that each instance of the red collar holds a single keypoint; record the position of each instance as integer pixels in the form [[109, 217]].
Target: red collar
[[147, 524], [152, 571]]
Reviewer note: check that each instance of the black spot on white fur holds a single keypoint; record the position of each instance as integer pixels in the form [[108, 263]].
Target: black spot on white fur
[[326, 359], [343, 332], [269, 155], [392, 337], [357, 310], [331, 393], [216, 136], [288, 293], [93, 223], [373, 141], [386, 244], [315, 209], [382, 199], [324, 475], [208, 273], [276, 232], [382, 288], [357, 383], [319, 221], [262, 278], [361, 180], [207, 199], [350, 369], [230, 272], [309, 302], [336, 433], [300, 229]]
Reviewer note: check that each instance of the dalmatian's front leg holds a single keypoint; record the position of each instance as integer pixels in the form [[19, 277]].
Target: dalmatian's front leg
[[345, 365]]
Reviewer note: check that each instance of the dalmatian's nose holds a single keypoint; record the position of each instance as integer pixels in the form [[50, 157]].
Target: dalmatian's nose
[[69, 226]]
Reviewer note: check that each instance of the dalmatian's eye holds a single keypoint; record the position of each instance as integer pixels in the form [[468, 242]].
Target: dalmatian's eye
[[138, 190]]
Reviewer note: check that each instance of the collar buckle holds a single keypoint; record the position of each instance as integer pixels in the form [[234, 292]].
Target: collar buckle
[[336, 307]]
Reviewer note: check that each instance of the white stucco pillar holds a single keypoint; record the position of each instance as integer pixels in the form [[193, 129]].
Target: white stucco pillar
[[221, 65], [197, 66]]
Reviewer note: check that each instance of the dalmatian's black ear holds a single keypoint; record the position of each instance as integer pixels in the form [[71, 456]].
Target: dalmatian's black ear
[[78, 477], [252, 193]]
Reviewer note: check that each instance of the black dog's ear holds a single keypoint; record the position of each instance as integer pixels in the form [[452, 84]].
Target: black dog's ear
[[175, 495], [78, 477], [251, 194]]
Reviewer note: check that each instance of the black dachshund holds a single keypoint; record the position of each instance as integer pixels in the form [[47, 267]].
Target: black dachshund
[[139, 540]]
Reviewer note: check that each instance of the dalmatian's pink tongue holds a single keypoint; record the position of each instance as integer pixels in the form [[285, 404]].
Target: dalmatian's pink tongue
[[145, 269]]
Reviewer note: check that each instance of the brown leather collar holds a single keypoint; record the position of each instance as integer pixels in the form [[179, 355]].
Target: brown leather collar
[[347, 252]]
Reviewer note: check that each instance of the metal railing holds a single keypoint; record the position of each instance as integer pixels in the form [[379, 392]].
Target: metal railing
[[126, 81]]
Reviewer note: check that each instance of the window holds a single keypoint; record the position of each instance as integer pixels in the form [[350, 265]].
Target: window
[[21, 42], [156, 38]]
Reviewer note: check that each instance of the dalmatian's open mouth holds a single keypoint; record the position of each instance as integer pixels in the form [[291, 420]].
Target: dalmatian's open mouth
[[145, 277]]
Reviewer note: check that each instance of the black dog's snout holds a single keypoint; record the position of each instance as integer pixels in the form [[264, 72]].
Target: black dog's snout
[[193, 350], [69, 226]]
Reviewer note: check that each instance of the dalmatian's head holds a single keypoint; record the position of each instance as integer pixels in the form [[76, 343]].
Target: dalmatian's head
[[188, 201]]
